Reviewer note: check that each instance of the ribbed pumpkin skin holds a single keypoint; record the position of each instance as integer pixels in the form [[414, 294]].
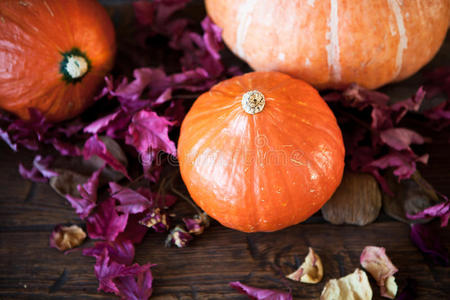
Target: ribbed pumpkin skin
[[266, 171], [33, 36], [332, 43]]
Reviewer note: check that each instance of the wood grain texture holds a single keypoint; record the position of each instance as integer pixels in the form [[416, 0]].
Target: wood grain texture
[[30, 269]]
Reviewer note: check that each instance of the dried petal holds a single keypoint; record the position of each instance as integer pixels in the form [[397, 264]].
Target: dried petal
[[105, 223], [67, 237], [134, 232], [178, 237], [376, 262], [5, 137], [107, 270], [427, 239], [120, 251], [356, 201], [88, 191], [131, 202], [156, 220], [40, 172], [441, 210], [354, 286], [100, 124], [311, 270], [404, 162], [401, 138], [260, 294], [95, 146], [411, 104], [148, 132], [137, 286], [197, 224]]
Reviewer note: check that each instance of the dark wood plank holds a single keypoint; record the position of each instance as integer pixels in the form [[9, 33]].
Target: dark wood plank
[[30, 269]]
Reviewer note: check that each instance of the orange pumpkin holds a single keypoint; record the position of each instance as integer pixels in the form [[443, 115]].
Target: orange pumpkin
[[261, 152], [53, 55], [333, 43]]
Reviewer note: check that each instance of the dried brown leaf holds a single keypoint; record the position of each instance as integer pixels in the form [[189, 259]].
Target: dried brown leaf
[[356, 201], [75, 170], [411, 196], [66, 182]]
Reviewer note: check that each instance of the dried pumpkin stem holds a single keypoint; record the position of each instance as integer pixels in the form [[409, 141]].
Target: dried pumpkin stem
[[74, 65], [253, 102]]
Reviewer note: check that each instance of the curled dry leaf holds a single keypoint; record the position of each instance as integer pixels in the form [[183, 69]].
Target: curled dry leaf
[[354, 286], [356, 201], [66, 182], [410, 196], [74, 170], [378, 264], [67, 237], [311, 270]]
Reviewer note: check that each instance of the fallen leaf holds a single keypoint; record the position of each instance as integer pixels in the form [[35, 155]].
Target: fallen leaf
[[260, 294], [409, 197]]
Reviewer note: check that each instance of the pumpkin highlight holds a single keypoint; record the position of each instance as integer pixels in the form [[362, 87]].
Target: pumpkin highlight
[[261, 152], [333, 43], [53, 55]]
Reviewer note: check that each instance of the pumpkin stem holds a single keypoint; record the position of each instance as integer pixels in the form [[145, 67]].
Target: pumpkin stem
[[253, 102], [74, 66]]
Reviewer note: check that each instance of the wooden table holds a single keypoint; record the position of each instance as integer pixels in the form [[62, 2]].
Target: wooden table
[[30, 269]]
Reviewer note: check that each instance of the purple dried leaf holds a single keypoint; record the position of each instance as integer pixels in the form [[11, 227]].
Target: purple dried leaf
[[400, 138], [131, 202], [120, 251], [5, 136], [105, 223], [148, 133], [137, 286], [411, 104], [427, 239], [404, 162], [441, 210], [107, 270], [88, 191], [95, 146], [40, 172], [260, 294], [134, 232], [101, 124]]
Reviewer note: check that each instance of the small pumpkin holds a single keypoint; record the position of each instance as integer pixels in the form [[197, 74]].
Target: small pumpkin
[[331, 44], [53, 55], [260, 152]]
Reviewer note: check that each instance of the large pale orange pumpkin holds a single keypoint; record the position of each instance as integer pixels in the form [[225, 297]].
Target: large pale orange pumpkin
[[261, 152], [331, 43], [54, 55]]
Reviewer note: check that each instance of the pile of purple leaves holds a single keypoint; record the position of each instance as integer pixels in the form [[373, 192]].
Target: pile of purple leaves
[[138, 122]]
